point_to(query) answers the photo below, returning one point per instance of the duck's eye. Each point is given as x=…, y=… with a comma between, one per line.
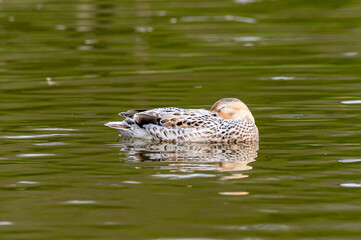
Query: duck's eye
x=222, y=109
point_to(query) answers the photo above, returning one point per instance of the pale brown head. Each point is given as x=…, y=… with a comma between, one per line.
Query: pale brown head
x=232, y=108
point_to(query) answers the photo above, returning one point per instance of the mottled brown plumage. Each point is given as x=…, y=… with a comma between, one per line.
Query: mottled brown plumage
x=229, y=120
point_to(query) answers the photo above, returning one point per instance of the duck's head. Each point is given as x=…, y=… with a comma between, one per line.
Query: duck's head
x=232, y=108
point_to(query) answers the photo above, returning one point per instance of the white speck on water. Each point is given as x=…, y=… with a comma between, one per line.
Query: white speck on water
x=248, y=45
x=27, y=182
x=80, y=202
x=11, y=19
x=6, y=223
x=349, y=160
x=36, y=155
x=350, y=184
x=350, y=54
x=351, y=102
x=197, y=86
x=132, y=182
x=183, y=176
x=50, y=81
x=282, y=78
x=173, y=20
x=60, y=27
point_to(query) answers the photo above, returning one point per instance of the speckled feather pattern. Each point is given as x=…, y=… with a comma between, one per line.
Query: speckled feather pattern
x=188, y=125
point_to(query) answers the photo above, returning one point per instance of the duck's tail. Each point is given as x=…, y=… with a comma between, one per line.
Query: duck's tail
x=118, y=125
x=130, y=129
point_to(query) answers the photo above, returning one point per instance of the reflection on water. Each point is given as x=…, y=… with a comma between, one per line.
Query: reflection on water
x=191, y=157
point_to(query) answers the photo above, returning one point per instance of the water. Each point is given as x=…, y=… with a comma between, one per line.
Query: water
x=67, y=67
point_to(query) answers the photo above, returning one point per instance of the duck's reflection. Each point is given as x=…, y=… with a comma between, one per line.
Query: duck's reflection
x=191, y=157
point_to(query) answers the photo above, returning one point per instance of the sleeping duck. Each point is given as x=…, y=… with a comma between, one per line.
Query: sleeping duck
x=229, y=120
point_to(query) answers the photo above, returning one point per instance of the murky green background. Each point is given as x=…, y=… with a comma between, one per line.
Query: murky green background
x=67, y=67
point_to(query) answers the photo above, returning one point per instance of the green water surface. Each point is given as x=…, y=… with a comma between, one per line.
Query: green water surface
x=68, y=67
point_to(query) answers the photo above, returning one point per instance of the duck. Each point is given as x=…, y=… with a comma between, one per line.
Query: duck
x=229, y=120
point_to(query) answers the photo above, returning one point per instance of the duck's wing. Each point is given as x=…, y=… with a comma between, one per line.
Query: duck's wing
x=130, y=113
x=169, y=124
x=143, y=117
x=173, y=117
x=176, y=124
x=210, y=129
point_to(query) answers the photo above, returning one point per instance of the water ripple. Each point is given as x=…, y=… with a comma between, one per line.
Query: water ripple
x=54, y=129
x=36, y=136
x=282, y=78
x=80, y=202
x=27, y=182
x=36, y=155
x=247, y=39
x=186, y=239
x=351, y=102
x=350, y=54
x=51, y=144
x=349, y=160
x=244, y=2
x=132, y=182
x=262, y=227
x=350, y=184
x=6, y=223
x=228, y=18
x=233, y=193
x=182, y=176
